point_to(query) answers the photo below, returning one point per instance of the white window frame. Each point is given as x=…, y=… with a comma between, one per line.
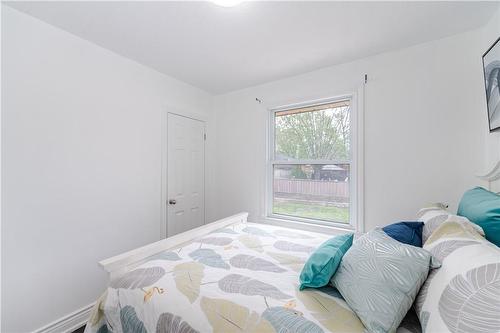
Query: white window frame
x=356, y=217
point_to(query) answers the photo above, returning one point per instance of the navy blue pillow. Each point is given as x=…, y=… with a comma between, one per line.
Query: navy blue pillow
x=406, y=232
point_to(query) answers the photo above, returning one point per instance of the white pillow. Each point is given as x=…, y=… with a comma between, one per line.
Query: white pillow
x=433, y=217
x=464, y=294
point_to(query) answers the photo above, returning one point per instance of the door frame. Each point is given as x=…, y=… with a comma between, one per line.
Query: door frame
x=164, y=165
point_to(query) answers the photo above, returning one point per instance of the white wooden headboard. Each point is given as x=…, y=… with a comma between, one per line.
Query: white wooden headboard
x=492, y=175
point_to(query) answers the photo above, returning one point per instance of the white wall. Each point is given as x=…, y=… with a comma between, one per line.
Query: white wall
x=81, y=153
x=489, y=34
x=424, y=123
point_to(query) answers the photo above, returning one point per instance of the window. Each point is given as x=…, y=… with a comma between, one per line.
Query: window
x=311, y=174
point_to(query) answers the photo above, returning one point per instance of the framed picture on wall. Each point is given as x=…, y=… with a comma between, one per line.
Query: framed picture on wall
x=491, y=66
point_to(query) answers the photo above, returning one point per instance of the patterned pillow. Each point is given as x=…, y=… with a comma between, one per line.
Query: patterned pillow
x=379, y=279
x=464, y=294
x=433, y=217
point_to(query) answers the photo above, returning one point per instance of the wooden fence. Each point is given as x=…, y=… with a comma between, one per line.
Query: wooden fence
x=310, y=187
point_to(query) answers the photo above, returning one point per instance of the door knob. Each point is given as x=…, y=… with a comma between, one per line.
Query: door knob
x=172, y=202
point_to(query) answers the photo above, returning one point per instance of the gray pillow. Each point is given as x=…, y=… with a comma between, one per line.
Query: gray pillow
x=380, y=277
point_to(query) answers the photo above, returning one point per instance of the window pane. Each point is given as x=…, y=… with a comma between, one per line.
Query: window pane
x=319, y=132
x=319, y=191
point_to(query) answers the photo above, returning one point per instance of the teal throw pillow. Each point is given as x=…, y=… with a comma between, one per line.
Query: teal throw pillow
x=323, y=263
x=482, y=207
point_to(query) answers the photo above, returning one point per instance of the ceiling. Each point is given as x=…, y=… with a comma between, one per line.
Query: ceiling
x=223, y=49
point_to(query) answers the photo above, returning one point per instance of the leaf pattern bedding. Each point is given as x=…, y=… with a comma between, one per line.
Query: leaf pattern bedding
x=463, y=296
x=243, y=278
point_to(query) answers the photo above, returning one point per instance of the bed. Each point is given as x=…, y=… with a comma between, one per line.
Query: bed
x=233, y=276
x=236, y=276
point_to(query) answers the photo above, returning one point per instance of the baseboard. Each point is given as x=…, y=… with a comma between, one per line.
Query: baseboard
x=68, y=323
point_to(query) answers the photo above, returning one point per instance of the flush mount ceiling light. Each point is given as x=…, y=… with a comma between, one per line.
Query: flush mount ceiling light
x=227, y=3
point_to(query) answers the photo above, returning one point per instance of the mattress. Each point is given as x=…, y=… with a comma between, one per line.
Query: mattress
x=242, y=278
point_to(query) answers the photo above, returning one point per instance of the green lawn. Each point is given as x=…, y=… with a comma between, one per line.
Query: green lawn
x=329, y=213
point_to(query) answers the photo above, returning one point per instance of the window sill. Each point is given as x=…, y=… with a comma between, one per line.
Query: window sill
x=302, y=225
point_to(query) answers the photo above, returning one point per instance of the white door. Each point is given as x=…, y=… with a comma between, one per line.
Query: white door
x=186, y=174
